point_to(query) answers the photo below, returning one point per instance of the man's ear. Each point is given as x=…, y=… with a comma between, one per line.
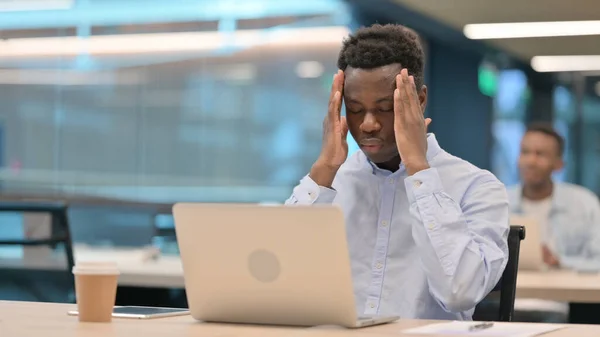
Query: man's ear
x=423, y=97
x=560, y=164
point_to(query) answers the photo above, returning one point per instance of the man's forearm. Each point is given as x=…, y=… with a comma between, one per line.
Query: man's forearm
x=322, y=174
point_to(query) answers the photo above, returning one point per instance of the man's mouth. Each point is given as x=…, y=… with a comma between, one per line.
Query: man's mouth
x=371, y=145
x=530, y=173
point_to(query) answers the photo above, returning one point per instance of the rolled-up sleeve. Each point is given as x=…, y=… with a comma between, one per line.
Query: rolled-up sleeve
x=463, y=243
x=308, y=193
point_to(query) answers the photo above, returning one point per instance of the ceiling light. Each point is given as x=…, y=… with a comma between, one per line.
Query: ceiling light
x=309, y=69
x=566, y=63
x=34, y=5
x=513, y=30
x=168, y=42
x=66, y=77
x=243, y=72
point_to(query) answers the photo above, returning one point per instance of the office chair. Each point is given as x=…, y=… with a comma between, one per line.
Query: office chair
x=507, y=286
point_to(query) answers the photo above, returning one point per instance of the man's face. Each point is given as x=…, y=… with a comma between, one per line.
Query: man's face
x=539, y=158
x=369, y=100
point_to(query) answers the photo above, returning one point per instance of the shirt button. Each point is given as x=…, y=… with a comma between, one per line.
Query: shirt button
x=417, y=183
x=391, y=181
x=384, y=223
x=430, y=226
x=311, y=196
x=379, y=265
x=372, y=305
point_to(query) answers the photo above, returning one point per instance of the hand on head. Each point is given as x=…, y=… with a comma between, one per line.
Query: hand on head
x=335, y=129
x=334, y=150
x=410, y=126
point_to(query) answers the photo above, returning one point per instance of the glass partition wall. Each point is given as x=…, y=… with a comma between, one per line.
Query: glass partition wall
x=227, y=107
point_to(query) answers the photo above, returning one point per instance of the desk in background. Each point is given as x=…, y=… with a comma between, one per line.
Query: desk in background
x=581, y=290
x=139, y=269
x=53, y=222
x=559, y=285
x=91, y=219
x=146, y=277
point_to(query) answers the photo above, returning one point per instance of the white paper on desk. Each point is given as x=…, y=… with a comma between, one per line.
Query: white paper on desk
x=500, y=329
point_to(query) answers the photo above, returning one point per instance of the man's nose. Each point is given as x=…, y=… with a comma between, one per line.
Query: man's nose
x=529, y=158
x=529, y=162
x=370, y=123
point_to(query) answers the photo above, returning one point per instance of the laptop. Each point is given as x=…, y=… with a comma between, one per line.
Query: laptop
x=530, y=252
x=280, y=265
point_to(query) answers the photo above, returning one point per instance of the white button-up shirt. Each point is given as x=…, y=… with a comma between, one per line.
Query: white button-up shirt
x=574, y=221
x=429, y=246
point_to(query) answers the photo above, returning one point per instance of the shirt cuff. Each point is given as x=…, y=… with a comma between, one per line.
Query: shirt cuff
x=308, y=192
x=422, y=184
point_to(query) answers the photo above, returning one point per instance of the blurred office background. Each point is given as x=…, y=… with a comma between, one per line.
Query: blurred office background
x=223, y=100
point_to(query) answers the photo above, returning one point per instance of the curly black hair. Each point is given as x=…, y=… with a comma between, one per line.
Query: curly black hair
x=547, y=129
x=377, y=46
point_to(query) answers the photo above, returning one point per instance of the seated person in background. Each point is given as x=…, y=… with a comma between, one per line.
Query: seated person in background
x=427, y=231
x=568, y=215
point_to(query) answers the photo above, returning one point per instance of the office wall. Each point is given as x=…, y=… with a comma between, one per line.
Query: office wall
x=590, y=143
x=461, y=115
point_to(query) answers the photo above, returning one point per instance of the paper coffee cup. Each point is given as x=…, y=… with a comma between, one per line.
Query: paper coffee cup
x=95, y=289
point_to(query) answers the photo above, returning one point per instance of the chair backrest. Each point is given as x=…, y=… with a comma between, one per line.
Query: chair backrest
x=507, y=286
x=508, y=282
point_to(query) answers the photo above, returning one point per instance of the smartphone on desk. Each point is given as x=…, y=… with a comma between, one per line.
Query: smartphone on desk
x=142, y=312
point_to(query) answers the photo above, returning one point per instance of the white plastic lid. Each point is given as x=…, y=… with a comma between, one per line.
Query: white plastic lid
x=96, y=268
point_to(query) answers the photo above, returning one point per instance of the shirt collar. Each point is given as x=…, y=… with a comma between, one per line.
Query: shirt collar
x=433, y=148
x=556, y=204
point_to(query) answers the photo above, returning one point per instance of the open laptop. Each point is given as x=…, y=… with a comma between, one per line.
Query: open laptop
x=281, y=265
x=530, y=252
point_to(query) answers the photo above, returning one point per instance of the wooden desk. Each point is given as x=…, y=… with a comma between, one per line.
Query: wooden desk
x=27, y=319
x=559, y=285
